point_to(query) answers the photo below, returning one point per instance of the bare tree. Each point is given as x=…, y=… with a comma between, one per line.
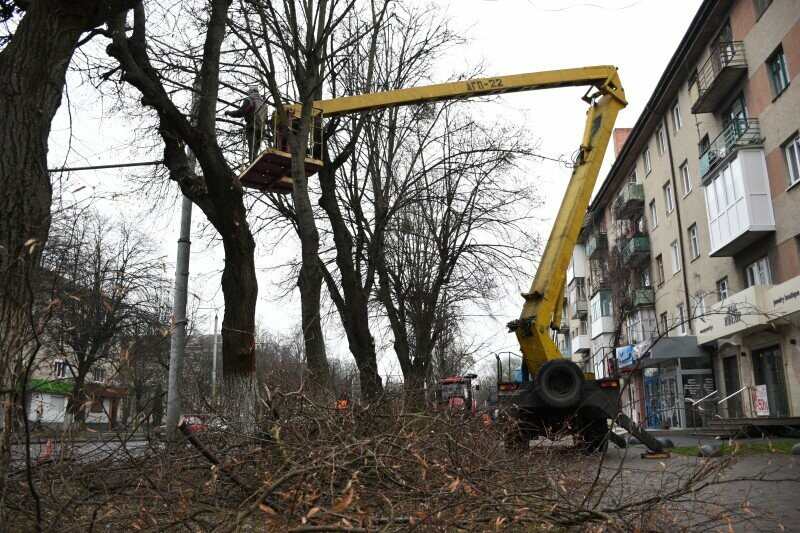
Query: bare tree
x=463, y=231
x=306, y=45
x=103, y=278
x=162, y=72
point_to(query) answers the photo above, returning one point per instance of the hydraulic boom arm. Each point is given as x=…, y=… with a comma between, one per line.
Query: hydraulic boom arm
x=542, y=309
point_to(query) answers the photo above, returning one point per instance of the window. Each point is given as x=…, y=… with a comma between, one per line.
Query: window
x=648, y=166
x=694, y=245
x=676, y=257
x=757, y=272
x=778, y=74
x=660, y=269
x=669, y=202
x=760, y=6
x=632, y=178
x=660, y=144
x=792, y=152
x=99, y=374
x=700, y=304
x=723, y=289
x=644, y=277
x=677, y=121
x=653, y=213
x=601, y=305
x=664, y=324
x=60, y=369
x=685, y=179
x=680, y=318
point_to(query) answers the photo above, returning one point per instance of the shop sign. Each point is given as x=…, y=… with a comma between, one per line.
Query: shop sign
x=625, y=356
x=784, y=298
x=761, y=401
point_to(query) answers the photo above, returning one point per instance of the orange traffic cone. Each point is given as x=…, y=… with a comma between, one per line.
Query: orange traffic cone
x=47, y=453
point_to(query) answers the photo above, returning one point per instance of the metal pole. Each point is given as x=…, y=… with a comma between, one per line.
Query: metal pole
x=178, y=340
x=214, y=361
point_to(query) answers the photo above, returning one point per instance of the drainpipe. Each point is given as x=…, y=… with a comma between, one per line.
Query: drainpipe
x=689, y=311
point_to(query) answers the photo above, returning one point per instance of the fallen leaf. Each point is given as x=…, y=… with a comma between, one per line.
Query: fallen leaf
x=344, y=503
x=266, y=508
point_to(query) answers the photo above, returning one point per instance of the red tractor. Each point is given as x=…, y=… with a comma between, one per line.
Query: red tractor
x=455, y=393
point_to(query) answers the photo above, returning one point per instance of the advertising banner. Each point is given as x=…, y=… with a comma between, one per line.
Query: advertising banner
x=762, y=403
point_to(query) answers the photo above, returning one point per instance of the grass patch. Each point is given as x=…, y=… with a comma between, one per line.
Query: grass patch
x=743, y=449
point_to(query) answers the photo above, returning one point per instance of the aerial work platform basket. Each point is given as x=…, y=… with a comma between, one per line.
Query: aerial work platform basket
x=271, y=171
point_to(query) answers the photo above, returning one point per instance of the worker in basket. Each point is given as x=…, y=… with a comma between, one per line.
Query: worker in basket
x=254, y=111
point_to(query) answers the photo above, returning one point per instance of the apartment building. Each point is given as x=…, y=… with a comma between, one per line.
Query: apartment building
x=692, y=243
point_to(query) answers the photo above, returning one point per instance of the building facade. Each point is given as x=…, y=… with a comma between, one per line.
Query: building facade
x=692, y=243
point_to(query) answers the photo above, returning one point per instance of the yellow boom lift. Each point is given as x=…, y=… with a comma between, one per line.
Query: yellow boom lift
x=559, y=395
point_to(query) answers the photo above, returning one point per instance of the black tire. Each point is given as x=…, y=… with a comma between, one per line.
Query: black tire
x=594, y=437
x=560, y=383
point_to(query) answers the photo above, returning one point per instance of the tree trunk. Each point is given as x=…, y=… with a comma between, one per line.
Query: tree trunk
x=309, y=281
x=353, y=302
x=76, y=405
x=33, y=68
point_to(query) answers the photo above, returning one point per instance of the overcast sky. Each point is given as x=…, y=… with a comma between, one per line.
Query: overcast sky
x=509, y=37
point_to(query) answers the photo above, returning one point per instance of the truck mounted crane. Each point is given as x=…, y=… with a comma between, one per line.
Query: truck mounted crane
x=554, y=395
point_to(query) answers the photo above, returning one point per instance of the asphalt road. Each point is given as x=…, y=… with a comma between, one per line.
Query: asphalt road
x=755, y=493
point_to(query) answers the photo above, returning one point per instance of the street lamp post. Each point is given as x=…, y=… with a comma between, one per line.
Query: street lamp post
x=213, y=353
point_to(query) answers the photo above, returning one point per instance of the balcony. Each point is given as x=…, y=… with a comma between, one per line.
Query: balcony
x=716, y=78
x=643, y=297
x=630, y=202
x=739, y=133
x=580, y=343
x=603, y=324
x=738, y=202
x=578, y=309
x=596, y=245
x=636, y=250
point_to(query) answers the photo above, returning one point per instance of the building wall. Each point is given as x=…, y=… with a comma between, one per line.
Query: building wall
x=779, y=120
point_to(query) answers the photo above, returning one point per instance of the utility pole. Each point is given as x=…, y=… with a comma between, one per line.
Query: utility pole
x=178, y=340
x=214, y=362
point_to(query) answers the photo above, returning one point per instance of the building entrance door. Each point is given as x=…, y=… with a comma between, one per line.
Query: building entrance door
x=669, y=400
x=768, y=370
x=730, y=370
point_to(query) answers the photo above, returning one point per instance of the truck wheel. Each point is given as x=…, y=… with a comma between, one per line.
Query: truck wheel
x=560, y=383
x=595, y=437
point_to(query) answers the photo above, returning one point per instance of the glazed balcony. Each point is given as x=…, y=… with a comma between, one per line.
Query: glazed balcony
x=596, y=245
x=716, y=78
x=636, y=250
x=737, y=134
x=630, y=202
x=578, y=309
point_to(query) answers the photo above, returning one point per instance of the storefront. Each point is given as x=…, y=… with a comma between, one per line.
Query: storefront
x=755, y=335
x=676, y=376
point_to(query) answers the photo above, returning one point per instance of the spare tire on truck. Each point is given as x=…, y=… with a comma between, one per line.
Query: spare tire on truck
x=559, y=383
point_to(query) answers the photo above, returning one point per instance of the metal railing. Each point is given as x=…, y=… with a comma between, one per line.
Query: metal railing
x=636, y=247
x=596, y=243
x=750, y=396
x=739, y=132
x=724, y=55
